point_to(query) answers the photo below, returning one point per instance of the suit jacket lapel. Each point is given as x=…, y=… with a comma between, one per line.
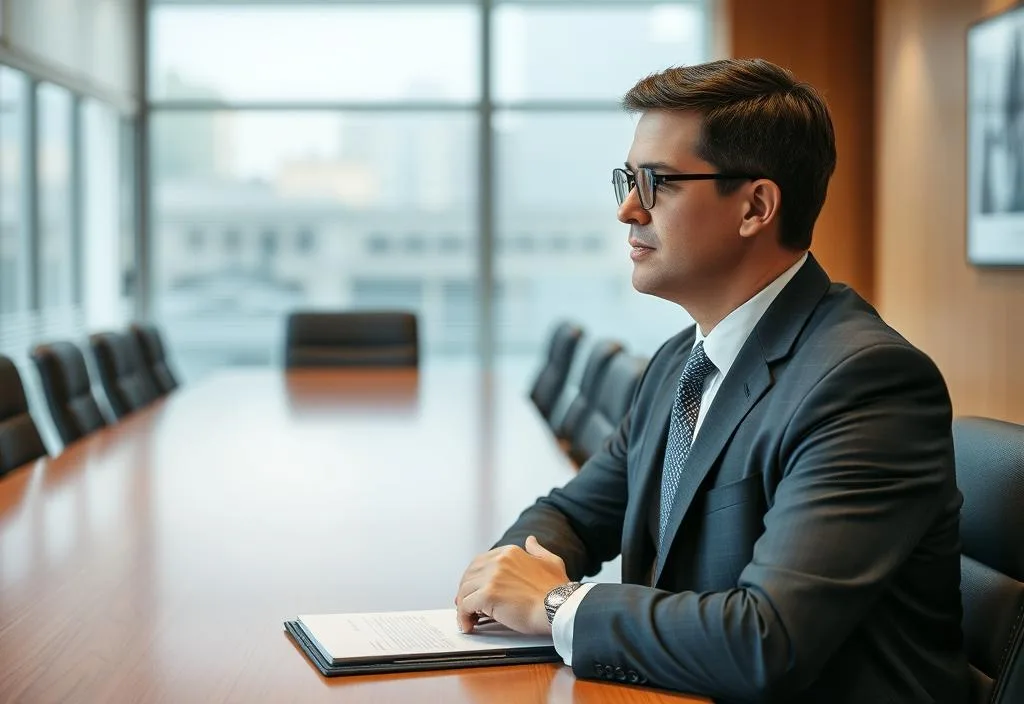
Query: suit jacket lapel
x=635, y=559
x=743, y=386
x=748, y=379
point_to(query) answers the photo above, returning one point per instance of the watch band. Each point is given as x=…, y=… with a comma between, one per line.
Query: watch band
x=557, y=596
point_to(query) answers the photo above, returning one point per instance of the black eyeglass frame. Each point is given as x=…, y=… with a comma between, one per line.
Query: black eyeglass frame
x=657, y=179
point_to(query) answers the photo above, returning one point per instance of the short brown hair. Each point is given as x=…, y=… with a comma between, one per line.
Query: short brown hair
x=756, y=119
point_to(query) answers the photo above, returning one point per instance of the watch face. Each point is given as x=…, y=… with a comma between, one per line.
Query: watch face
x=556, y=597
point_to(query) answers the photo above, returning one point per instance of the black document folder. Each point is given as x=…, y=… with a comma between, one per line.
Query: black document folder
x=410, y=660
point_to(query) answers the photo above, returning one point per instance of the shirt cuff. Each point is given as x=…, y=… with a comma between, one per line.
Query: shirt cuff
x=565, y=619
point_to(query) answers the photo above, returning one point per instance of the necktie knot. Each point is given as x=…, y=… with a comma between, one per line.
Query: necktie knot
x=698, y=366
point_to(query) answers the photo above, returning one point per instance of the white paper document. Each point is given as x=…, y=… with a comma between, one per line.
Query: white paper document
x=408, y=635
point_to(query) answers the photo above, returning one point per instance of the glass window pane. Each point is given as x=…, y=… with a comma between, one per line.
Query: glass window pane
x=100, y=191
x=314, y=52
x=56, y=253
x=560, y=251
x=128, y=215
x=94, y=39
x=611, y=48
x=14, y=254
x=257, y=214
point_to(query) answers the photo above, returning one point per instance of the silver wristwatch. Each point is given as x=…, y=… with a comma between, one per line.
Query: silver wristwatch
x=557, y=596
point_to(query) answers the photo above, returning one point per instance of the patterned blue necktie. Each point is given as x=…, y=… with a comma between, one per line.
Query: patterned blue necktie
x=680, y=430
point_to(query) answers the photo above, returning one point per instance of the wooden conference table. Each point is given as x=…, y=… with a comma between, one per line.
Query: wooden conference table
x=157, y=559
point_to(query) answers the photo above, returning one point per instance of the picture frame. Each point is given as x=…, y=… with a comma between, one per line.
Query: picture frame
x=995, y=139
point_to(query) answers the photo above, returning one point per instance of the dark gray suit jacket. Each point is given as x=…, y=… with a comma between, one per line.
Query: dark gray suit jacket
x=815, y=538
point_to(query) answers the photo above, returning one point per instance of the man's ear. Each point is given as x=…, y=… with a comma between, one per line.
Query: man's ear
x=761, y=207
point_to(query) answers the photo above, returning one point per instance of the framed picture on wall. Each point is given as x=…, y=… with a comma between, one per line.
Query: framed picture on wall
x=995, y=139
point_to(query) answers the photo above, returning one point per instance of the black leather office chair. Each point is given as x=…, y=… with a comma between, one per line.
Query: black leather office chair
x=990, y=474
x=68, y=390
x=597, y=363
x=125, y=380
x=352, y=339
x=610, y=407
x=550, y=381
x=19, y=438
x=154, y=357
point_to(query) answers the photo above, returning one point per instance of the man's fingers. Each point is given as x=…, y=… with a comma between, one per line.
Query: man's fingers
x=482, y=563
x=473, y=576
x=465, y=620
x=470, y=609
x=533, y=547
x=467, y=587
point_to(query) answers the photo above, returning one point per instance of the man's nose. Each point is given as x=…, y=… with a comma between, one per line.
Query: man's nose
x=631, y=212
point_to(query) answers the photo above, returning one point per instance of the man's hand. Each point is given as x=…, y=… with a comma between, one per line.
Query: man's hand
x=509, y=585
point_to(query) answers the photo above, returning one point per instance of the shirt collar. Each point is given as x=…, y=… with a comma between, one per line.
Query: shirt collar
x=722, y=345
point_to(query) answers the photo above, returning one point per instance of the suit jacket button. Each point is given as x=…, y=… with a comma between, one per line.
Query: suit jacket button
x=620, y=675
x=609, y=671
x=598, y=669
x=633, y=676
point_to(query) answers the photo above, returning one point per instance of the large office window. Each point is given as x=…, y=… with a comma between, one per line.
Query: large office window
x=54, y=126
x=612, y=45
x=101, y=198
x=560, y=252
x=67, y=205
x=60, y=190
x=328, y=155
x=313, y=52
x=14, y=244
x=128, y=216
x=257, y=213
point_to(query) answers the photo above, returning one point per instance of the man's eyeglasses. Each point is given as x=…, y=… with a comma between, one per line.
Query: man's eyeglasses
x=646, y=183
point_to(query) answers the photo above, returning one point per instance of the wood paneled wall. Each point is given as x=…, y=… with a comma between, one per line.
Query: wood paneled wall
x=830, y=45
x=894, y=226
x=970, y=320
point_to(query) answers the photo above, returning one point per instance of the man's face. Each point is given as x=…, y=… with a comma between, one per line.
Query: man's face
x=690, y=238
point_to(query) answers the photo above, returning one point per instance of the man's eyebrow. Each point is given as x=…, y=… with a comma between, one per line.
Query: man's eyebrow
x=655, y=165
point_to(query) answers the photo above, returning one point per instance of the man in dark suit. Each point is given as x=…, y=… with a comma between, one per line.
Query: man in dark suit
x=782, y=490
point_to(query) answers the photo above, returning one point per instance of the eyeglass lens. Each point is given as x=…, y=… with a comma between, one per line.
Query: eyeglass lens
x=624, y=181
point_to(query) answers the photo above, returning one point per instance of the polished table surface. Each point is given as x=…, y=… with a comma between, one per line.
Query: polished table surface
x=157, y=560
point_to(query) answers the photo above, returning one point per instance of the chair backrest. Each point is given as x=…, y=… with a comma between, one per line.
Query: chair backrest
x=68, y=390
x=125, y=380
x=154, y=357
x=550, y=381
x=597, y=363
x=352, y=339
x=611, y=403
x=19, y=438
x=990, y=474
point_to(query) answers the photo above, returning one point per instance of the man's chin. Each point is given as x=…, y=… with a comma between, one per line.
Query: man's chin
x=643, y=284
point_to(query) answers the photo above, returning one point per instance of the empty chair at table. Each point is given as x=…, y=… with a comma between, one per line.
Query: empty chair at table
x=351, y=339
x=19, y=438
x=154, y=357
x=593, y=373
x=614, y=396
x=123, y=375
x=68, y=390
x=990, y=475
x=550, y=380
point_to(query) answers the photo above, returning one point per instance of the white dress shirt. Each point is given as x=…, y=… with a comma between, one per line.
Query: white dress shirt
x=722, y=346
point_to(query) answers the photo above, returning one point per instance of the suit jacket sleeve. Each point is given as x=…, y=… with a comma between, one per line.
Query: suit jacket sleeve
x=866, y=464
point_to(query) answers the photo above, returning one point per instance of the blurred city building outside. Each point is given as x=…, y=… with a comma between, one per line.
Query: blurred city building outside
x=275, y=203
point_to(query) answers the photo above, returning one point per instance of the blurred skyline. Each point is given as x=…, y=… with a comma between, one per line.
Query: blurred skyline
x=260, y=211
